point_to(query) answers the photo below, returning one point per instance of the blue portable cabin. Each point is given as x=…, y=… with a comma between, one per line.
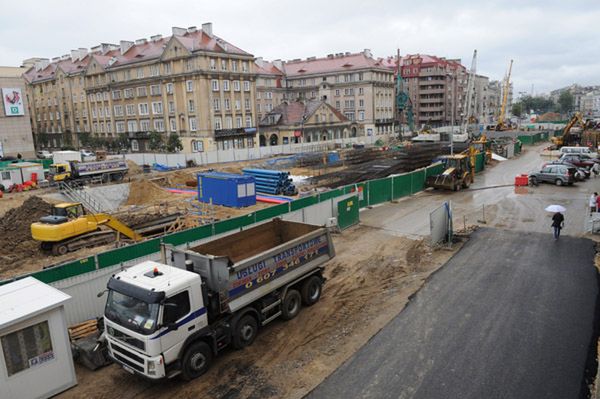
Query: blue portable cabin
x=226, y=189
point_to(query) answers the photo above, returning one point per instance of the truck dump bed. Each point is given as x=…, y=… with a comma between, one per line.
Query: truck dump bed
x=245, y=266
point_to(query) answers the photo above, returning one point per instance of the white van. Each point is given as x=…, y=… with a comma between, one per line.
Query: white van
x=578, y=150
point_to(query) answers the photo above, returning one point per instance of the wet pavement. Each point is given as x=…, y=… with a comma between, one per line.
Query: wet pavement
x=508, y=207
x=509, y=316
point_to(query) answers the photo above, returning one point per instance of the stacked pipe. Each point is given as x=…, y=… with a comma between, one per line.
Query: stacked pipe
x=272, y=182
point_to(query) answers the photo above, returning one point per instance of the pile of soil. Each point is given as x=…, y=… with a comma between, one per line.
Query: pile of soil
x=144, y=192
x=15, y=232
x=549, y=117
x=134, y=168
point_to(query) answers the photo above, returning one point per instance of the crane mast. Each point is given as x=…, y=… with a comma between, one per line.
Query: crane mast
x=469, y=96
x=501, y=124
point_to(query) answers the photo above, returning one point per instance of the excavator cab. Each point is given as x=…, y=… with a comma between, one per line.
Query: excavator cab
x=68, y=210
x=457, y=173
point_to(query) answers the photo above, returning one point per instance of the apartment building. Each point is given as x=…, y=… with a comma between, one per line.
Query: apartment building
x=15, y=127
x=436, y=87
x=192, y=83
x=355, y=84
x=270, y=86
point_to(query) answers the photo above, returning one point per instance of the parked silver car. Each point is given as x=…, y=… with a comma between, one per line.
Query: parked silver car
x=558, y=174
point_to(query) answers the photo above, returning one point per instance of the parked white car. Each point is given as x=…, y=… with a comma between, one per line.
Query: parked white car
x=43, y=154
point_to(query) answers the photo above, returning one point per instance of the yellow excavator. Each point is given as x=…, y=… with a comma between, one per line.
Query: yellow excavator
x=567, y=138
x=459, y=172
x=69, y=228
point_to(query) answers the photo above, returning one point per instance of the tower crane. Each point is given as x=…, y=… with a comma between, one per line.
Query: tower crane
x=501, y=125
x=469, y=97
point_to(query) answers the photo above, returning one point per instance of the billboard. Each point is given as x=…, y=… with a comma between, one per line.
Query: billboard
x=13, y=101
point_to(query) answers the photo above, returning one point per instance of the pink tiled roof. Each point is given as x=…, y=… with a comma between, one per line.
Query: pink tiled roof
x=331, y=64
x=293, y=112
x=268, y=68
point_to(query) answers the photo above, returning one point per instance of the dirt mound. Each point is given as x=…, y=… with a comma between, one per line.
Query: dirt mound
x=15, y=232
x=134, y=168
x=548, y=117
x=180, y=178
x=144, y=192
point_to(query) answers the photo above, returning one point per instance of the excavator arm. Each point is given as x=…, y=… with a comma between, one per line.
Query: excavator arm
x=115, y=224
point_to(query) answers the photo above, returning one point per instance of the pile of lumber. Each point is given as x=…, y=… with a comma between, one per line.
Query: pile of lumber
x=83, y=330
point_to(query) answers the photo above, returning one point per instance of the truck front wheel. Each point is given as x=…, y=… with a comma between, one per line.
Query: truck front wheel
x=311, y=290
x=196, y=361
x=245, y=332
x=291, y=305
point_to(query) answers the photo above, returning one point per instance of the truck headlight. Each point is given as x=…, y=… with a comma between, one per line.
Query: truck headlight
x=151, y=368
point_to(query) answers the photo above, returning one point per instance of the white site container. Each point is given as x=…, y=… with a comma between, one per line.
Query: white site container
x=65, y=156
x=35, y=353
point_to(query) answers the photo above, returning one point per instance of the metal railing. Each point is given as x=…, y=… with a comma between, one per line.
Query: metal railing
x=76, y=192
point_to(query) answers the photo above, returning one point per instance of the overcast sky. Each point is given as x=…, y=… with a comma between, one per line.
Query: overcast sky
x=553, y=43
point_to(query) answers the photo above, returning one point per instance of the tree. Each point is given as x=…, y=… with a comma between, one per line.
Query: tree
x=155, y=141
x=174, y=143
x=517, y=109
x=565, y=102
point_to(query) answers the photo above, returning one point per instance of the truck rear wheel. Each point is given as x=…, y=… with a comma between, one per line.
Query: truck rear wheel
x=196, y=361
x=291, y=305
x=311, y=291
x=59, y=249
x=245, y=331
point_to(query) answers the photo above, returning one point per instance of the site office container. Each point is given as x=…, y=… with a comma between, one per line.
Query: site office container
x=226, y=189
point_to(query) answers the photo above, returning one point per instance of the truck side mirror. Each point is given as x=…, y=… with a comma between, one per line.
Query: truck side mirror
x=101, y=293
x=172, y=326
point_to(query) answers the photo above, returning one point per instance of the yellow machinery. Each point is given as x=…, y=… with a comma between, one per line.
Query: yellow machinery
x=502, y=125
x=69, y=228
x=567, y=138
x=459, y=173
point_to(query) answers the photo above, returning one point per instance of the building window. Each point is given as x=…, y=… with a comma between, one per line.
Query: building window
x=94, y=114
x=173, y=124
x=105, y=94
x=223, y=65
x=143, y=108
x=140, y=73
x=128, y=93
x=134, y=145
x=247, y=104
x=197, y=146
x=193, y=124
x=349, y=115
x=27, y=347
x=167, y=67
x=238, y=122
x=234, y=65
x=269, y=95
x=157, y=108
x=248, y=121
x=213, y=64
x=189, y=86
x=118, y=110
x=130, y=109
x=141, y=91
x=215, y=85
x=245, y=66
x=132, y=126
x=107, y=112
x=217, y=104
x=145, y=125
x=218, y=125
x=227, y=104
x=108, y=127
x=361, y=115
x=238, y=105
x=361, y=103
x=225, y=85
x=155, y=90
x=246, y=85
x=154, y=70
x=361, y=91
x=159, y=125
x=189, y=65
x=236, y=85
x=171, y=107
x=228, y=122
x=191, y=106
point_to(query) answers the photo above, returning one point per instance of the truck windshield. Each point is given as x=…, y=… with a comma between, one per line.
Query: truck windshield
x=131, y=313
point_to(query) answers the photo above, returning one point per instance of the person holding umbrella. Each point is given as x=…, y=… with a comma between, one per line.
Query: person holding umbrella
x=558, y=220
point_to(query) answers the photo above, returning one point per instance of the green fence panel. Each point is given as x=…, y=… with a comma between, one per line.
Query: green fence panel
x=330, y=194
x=233, y=224
x=303, y=202
x=418, y=181
x=194, y=234
x=434, y=170
x=527, y=140
x=128, y=253
x=62, y=272
x=271, y=212
x=401, y=185
x=479, y=162
x=380, y=190
x=363, y=193
x=348, y=214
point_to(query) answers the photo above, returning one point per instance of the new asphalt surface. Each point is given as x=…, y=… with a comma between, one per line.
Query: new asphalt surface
x=511, y=315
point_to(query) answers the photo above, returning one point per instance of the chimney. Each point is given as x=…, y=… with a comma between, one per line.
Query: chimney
x=278, y=64
x=125, y=45
x=74, y=55
x=65, y=57
x=367, y=53
x=55, y=59
x=30, y=62
x=83, y=52
x=106, y=47
x=347, y=53
x=141, y=41
x=42, y=64
x=192, y=29
x=311, y=58
x=178, y=31
x=329, y=55
x=207, y=28
x=155, y=38
x=259, y=61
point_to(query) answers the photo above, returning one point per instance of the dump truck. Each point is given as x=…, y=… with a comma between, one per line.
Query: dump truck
x=172, y=318
x=109, y=170
x=458, y=173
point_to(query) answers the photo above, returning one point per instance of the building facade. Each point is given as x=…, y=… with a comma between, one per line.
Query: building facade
x=304, y=121
x=192, y=83
x=270, y=86
x=357, y=85
x=15, y=126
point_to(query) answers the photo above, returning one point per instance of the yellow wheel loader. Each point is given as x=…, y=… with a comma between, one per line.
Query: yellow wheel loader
x=458, y=173
x=69, y=228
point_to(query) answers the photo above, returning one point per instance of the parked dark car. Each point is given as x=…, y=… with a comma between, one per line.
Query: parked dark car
x=579, y=160
x=582, y=173
x=558, y=174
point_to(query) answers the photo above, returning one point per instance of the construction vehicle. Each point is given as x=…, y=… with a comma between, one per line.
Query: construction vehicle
x=110, y=170
x=502, y=125
x=403, y=103
x=166, y=320
x=568, y=138
x=69, y=228
x=459, y=173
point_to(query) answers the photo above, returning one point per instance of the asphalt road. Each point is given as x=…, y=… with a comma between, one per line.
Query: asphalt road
x=510, y=316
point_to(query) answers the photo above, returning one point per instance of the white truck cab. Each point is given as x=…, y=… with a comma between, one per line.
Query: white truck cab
x=150, y=312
